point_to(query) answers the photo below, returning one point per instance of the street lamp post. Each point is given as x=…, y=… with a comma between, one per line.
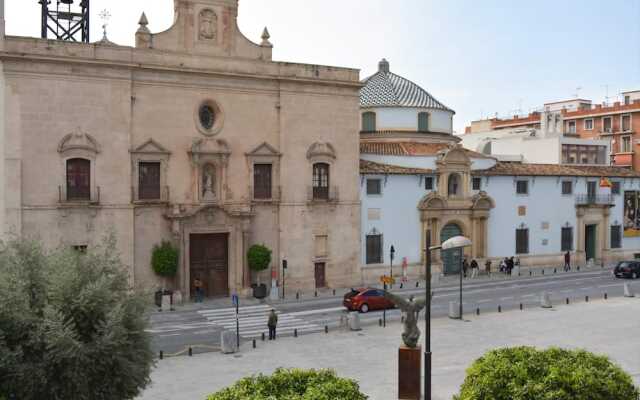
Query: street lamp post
x=284, y=269
x=453, y=243
x=392, y=253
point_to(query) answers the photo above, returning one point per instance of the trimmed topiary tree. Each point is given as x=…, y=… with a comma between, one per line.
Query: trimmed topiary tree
x=259, y=258
x=293, y=384
x=525, y=373
x=164, y=259
x=71, y=326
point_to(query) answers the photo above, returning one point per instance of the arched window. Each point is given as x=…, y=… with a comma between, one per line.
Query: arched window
x=321, y=181
x=368, y=121
x=423, y=122
x=453, y=184
x=78, y=179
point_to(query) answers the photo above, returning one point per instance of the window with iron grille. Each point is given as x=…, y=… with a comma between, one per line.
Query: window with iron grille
x=423, y=122
x=369, y=122
x=476, y=183
x=616, y=236
x=522, y=187
x=262, y=181
x=374, y=249
x=567, y=187
x=615, y=187
x=321, y=181
x=374, y=186
x=522, y=241
x=567, y=239
x=428, y=183
x=78, y=179
x=149, y=181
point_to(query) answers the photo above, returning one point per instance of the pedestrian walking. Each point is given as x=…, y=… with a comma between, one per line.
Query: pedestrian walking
x=272, y=323
x=487, y=266
x=474, y=268
x=503, y=266
x=465, y=266
x=197, y=284
x=510, y=265
x=567, y=261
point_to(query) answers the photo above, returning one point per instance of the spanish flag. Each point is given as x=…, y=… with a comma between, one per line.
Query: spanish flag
x=605, y=182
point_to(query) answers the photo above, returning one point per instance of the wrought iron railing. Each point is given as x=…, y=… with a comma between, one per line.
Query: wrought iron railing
x=594, y=199
x=79, y=195
x=160, y=194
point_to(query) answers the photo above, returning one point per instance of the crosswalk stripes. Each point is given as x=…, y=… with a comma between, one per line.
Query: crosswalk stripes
x=253, y=321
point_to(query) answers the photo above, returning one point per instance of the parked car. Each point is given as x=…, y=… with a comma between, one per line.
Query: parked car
x=366, y=299
x=627, y=269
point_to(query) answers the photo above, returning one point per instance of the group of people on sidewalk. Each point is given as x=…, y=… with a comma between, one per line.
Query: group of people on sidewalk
x=506, y=265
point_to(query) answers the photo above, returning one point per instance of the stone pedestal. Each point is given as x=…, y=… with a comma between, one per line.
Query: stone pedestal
x=354, y=321
x=409, y=367
x=228, y=342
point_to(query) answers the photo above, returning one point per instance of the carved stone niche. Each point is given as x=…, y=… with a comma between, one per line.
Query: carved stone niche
x=207, y=25
x=210, y=161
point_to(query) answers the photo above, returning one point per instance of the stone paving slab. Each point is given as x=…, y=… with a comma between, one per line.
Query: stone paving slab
x=609, y=327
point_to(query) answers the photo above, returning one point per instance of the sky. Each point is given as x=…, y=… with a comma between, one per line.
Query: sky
x=478, y=57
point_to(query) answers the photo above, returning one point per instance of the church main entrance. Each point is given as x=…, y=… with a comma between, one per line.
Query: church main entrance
x=451, y=259
x=209, y=259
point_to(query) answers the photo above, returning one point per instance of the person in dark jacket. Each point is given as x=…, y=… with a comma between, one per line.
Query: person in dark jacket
x=465, y=266
x=474, y=268
x=272, y=323
x=510, y=265
x=487, y=266
x=567, y=261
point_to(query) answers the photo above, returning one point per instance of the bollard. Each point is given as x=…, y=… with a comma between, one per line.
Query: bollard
x=161, y=354
x=417, y=284
x=545, y=300
x=400, y=285
x=605, y=296
x=295, y=332
x=627, y=291
x=567, y=300
x=499, y=308
x=478, y=311
x=297, y=296
x=190, y=352
x=520, y=306
x=334, y=292
x=263, y=336
x=586, y=299
x=379, y=321
x=578, y=268
x=326, y=329
x=315, y=294
x=554, y=271
x=530, y=273
x=254, y=343
x=518, y=273
x=543, y=271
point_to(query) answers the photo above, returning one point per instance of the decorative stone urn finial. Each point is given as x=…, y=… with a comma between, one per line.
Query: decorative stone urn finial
x=143, y=24
x=265, y=38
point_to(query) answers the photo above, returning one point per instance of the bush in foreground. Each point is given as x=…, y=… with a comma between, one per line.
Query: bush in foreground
x=70, y=326
x=525, y=373
x=292, y=384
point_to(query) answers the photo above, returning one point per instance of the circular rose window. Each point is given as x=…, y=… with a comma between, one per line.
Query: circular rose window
x=209, y=117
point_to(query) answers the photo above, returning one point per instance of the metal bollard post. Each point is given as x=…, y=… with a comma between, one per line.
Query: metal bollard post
x=417, y=284
x=263, y=336
x=254, y=343
x=578, y=268
x=499, y=308
x=400, y=285
x=567, y=300
x=530, y=273
x=521, y=306
x=297, y=295
x=554, y=271
x=295, y=332
x=326, y=329
x=605, y=296
x=161, y=354
x=478, y=311
x=315, y=294
x=586, y=299
x=542, y=271
x=379, y=321
x=334, y=292
x=190, y=352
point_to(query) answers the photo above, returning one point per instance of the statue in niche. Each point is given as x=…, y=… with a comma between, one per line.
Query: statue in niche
x=208, y=182
x=208, y=25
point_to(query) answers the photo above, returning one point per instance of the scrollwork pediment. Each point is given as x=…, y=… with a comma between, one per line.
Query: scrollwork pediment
x=432, y=201
x=78, y=140
x=321, y=149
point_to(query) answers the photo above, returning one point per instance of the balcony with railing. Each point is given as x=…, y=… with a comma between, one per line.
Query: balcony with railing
x=266, y=194
x=150, y=194
x=321, y=194
x=78, y=195
x=594, y=200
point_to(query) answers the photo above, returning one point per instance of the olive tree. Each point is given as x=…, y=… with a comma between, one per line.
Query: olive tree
x=70, y=325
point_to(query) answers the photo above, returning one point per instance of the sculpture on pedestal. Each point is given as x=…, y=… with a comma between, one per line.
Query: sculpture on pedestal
x=412, y=309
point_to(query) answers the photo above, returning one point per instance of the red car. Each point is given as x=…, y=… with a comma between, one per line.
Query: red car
x=366, y=299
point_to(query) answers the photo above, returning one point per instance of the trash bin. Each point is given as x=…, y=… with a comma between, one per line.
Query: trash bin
x=158, y=298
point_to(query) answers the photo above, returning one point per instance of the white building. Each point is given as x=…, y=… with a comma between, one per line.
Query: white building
x=414, y=180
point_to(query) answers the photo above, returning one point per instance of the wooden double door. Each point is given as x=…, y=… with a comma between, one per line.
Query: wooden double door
x=209, y=258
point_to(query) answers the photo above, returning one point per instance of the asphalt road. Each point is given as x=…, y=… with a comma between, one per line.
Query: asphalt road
x=174, y=332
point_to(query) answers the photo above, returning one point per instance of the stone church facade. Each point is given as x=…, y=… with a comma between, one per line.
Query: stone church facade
x=194, y=136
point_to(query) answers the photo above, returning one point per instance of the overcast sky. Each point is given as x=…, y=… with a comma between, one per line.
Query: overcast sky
x=478, y=57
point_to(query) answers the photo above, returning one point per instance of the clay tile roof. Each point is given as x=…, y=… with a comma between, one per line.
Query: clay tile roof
x=520, y=169
x=409, y=149
x=386, y=89
x=370, y=167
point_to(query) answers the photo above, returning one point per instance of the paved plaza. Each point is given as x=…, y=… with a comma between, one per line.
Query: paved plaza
x=370, y=356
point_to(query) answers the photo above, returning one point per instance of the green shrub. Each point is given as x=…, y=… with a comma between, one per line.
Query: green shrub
x=71, y=327
x=525, y=373
x=259, y=257
x=164, y=259
x=292, y=384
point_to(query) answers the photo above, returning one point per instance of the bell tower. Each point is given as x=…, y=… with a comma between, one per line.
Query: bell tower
x=65, y=20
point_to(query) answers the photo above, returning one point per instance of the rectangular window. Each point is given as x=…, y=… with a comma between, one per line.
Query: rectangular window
x=78, y=179
x=522, y=187
x=616, y=236
x=607, y=124
x=477, y=183
x=149, y=181
x=369, y=122
x=588, y=124
x=567, y=187
x=626, y=123
x=615, y=187
x=428, y=183
x=522, y=241
x=571, y=127
x=567, y=239
x=423, y=122
x=625, y=144
x=321, y=181
x=627, y=100
x=262, y=181
x=374, y=249
x=374, y=186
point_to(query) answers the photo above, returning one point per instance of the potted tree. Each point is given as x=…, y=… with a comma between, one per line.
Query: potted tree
x=259, y=258
x=164, y=261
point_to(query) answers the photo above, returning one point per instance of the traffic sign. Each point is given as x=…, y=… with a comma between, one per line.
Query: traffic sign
x=389, y=280
x=235, y=300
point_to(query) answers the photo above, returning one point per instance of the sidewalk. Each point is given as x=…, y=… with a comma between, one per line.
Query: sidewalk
x=606, y=327
x=436, y=282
